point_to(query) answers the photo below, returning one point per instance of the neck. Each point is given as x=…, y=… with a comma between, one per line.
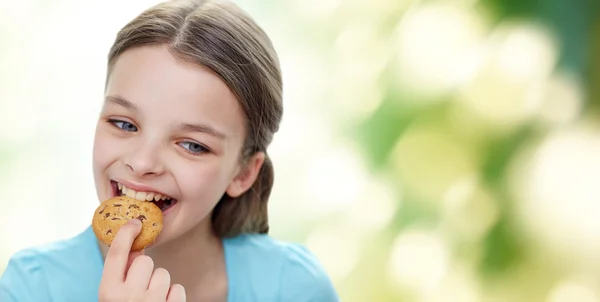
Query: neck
x=192, y=257
x=195, y=260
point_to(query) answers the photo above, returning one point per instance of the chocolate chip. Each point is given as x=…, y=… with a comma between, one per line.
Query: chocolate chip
x=115, y=218
x=135, y=206
x=154, y=224
x=107, y=214
x=141, y=217
x=101, y=211
x=118, y=205
x=108, y=232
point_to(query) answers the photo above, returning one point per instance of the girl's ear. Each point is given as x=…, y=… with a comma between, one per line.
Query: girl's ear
x=247, y=175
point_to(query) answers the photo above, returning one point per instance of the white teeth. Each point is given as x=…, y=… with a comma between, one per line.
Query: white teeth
x=147, y=196
x=140, y=195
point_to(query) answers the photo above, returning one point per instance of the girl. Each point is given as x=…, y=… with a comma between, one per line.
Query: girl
x=193, y=97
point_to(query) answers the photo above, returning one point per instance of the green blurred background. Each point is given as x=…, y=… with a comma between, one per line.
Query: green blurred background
x=430, y=150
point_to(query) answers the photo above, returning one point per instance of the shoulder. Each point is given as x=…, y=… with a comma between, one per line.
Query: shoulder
x=47, y=268
x=79, y=247
x=22, y=271
x=292, y=270
x=303, y=277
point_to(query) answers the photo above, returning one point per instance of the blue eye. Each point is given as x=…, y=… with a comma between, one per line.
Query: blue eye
x=194, y=148
x=125, y=126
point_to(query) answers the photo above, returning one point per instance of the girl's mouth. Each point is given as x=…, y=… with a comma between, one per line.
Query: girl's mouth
x=162, y=201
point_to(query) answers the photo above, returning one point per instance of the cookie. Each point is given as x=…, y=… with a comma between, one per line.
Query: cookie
x=111, y=214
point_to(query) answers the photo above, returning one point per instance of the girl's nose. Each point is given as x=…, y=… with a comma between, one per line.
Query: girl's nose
x=143, y=162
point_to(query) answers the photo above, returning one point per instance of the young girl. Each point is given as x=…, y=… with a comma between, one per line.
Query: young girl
x=193, y=97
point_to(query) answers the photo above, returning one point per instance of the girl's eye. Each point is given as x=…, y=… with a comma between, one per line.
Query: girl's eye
x=123, y=125
x=194, y=148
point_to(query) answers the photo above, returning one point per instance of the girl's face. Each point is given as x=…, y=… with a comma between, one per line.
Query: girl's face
x=172, y=132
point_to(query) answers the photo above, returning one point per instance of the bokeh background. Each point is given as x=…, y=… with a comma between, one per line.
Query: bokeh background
x=430, y=150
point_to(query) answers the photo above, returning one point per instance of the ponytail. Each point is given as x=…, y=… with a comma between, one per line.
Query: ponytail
x=248, y=213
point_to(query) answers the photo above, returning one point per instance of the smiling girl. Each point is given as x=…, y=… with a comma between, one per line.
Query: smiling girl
x=193, y=98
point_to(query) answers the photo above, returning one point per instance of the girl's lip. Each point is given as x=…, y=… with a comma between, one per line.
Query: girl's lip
x=170, y=208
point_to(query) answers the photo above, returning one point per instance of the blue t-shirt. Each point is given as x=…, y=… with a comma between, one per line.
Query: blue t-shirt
x=259, y=268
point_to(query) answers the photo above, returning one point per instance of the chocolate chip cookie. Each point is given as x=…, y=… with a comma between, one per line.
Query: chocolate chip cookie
x=111, y=214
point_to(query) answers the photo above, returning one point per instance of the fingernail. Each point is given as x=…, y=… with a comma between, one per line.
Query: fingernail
x=135, y=222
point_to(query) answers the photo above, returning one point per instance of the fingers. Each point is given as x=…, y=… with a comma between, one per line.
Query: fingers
x=117, y=257
x=176, y=293
x=132, y=257
x=132, y=275
x=139, y=274
x=159, y=285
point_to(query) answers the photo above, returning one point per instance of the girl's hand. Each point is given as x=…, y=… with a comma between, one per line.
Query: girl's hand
x=131, y=276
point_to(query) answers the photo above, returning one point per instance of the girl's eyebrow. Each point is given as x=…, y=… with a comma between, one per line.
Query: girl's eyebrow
x=203, y=128
x=115, y=99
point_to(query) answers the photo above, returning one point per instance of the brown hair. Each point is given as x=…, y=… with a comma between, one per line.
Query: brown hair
x=222, y=37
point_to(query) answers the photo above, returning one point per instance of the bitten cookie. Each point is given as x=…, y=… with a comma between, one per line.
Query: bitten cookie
x=111, y=214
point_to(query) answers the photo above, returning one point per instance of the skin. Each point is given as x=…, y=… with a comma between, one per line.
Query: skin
x=176, y=128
